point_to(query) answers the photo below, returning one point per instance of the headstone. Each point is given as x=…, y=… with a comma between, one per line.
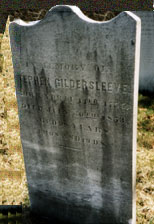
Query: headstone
x=77, y=83
x=146, y=77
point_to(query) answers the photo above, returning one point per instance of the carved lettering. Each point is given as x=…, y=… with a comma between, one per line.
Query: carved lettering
x=109, y=87
x=116, y=119
x=33, y=80
x=69, y=67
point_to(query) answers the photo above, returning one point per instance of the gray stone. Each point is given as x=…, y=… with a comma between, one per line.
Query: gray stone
x=146, y=77
x=76, y=83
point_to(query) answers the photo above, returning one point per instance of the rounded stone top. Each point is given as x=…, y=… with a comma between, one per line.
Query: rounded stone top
x=76, y=11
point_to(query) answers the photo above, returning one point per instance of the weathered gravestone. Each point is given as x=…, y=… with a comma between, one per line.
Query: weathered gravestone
x=77, y=83
x=146, y=79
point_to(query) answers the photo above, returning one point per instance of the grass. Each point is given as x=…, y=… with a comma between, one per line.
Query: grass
x=145, y=160
x=13, y=187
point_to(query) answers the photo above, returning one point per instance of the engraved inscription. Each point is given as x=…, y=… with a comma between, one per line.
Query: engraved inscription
x=69, y=67
x=110, y=87
x=80, y=67
x=92, y=105
x=92, y=85
x=72, y=139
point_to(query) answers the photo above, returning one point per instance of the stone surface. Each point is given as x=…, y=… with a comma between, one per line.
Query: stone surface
x=76, y=84
x=146, y=80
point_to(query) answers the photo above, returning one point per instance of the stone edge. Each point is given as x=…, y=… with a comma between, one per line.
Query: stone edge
x=135, y=109
x=68, y=8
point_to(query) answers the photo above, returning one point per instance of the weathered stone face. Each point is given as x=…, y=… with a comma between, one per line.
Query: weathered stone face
x=76, y=84
x=146, y=80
